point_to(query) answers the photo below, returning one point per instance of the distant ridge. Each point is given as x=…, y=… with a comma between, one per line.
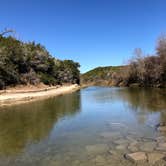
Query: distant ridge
x=100, y=75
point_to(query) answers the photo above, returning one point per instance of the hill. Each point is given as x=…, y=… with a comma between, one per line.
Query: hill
x=100, y=76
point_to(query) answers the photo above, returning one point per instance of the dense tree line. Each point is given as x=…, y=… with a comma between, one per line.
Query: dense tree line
x=30, y=63
x=145, y=70
x=142, y=70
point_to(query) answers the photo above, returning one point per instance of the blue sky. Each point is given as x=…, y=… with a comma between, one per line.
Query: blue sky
x=92, y=32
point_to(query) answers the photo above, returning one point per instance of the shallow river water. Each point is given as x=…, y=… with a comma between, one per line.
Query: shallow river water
x=91, y=127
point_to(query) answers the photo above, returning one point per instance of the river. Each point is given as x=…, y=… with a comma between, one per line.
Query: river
x=93, y=126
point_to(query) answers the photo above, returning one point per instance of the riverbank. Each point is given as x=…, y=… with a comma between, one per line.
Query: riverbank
x=15, y=96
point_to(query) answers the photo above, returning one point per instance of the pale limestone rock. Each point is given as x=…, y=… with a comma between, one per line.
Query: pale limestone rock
x=162, y=144
x=162, y=128
x=161, y=124
x=148, y=146
x=161, y=139
x=161, y=147
x=154, y=157
x=136, y=157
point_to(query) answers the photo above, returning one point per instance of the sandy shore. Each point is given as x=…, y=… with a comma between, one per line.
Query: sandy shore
x=17, y=97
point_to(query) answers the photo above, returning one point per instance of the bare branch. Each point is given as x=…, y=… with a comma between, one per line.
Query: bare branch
x=5, y=31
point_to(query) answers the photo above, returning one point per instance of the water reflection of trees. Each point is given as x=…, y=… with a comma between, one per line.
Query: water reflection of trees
x=142, y=101
x=33, y=122
x=149, y=99
x=145, y=101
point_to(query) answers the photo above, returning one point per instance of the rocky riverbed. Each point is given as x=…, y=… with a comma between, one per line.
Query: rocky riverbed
x=119, y=149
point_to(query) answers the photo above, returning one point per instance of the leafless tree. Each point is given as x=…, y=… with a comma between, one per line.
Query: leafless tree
x=6, y=31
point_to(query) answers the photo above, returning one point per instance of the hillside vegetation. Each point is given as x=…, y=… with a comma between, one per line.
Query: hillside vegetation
x=142, y=70
x=30, y=63
x=100, y=75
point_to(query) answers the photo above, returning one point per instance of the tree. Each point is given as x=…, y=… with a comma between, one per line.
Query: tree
x=161, y=52
x=31, y=63
x=6, y=31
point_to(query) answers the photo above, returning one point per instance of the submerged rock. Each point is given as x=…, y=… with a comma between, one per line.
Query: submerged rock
x=112, y=152
x=76, y=162
x=121, y=147
x=130, y=138
x=134, y=143
x=137, y=156
x=97, y=149
x=110, y=135
x=161, y=124
x=121, y=141
x=161, y=139
x=132, y=148
x=148, y=146
x=161, y=147
x=154, y=157
x=162, y=128
x=99, y=160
